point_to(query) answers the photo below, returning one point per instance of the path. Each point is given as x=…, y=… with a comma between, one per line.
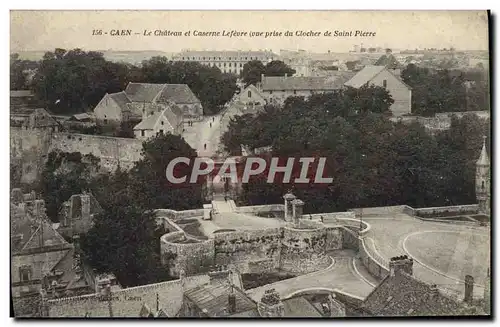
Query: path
x=341, y=276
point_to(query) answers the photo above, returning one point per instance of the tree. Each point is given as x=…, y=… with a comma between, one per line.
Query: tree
x=148, y=177
x=278, y=68
x=19, y=70
x=252, y=72
x=125, y=241
x=64, y=175
x=75, y=81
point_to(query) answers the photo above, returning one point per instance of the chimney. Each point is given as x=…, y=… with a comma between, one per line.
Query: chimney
x=298, y=206
x=38, y=209
x=271, y=305
x=289, y=197
x=76, y=243
x=401, y=263
x=85, y=200
x=469, y=289
x=231, y=302
x=434, y=292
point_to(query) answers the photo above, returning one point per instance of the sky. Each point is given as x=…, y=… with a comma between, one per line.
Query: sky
x=46, y=30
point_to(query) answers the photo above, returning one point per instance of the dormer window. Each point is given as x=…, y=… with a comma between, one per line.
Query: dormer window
x=25, y=273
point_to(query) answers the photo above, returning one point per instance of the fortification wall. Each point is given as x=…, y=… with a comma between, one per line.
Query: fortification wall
x=304, y=250
x=175, y=215
x=389, y=210
x=113, y=151
x=261, y=208
x=178, y=252
x=451, y=210
x=28, y=148
x=251, y=247
x=127, y=302
x=349, y=239
x=376, y=266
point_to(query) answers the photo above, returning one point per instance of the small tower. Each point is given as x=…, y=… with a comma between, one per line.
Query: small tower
x=483, y=191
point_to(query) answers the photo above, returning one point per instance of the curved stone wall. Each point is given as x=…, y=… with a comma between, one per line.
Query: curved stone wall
x=304, y=250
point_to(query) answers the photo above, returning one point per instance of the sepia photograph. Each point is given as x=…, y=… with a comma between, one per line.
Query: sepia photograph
x=250, y=164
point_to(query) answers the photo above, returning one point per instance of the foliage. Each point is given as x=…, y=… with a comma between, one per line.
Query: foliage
x=19, y=76
x=65, y=174
x=125, y=240
x=373, y=161
x=435, y=91
x=253, y=70
x=74, y=81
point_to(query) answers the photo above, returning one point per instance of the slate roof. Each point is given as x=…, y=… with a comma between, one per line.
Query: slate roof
x=21, y=93
x=299, y=83
x=214, y=298
x=177, y=93
x=300, y=307
x=40, y=118
x=404, y=295
x=148, y=124
x=364, y=76
x=143, y=92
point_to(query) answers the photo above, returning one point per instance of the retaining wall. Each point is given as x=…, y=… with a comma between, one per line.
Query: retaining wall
x=374, y=266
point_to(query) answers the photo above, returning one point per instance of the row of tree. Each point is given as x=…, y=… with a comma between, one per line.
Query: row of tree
x=435, y=91
x=373, y=161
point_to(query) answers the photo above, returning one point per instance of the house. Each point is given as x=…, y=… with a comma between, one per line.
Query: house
x=77, y=214
x=41, y=257
x=401, y=294
x=277, y=88
x=251, y=96
x=166, y=121
x=383, y=77
x=141, y=99
x=41, y=119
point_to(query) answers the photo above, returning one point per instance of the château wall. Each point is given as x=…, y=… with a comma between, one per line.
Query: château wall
x=129, y=301
x=30, y=148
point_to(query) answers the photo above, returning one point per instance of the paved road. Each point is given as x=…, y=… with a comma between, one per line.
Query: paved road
x=342, y=276
x=454, y=249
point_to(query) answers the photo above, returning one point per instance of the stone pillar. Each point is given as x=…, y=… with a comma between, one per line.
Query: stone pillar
x=469, y=289
x=297, y=210
x=487, y=294
x=289, y=197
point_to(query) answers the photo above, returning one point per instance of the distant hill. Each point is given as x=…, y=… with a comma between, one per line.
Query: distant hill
x=132, y=57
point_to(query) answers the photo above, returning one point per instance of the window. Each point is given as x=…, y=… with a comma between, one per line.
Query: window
x=229, y=58
x=482, y=185
x=105, y=121
x=229, y=64
x=182, y=58
x=270, y=92
x=203, y=58
x=241, y=65
x=246, y=58
x=385, y=83
x=25, y=273
x=161, y=131
x=224, y=64
x=249, y=94
x=294, y=92
x=162, y=123
x=142, y=133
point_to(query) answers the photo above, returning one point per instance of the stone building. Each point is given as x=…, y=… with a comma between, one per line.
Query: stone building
x=278, y=88
x=401, y=294
x=140, y=99
x=383, y=77
x=163, y=122
x=41, y=258
x=77, y=214
x=226, y=61
x=483, y=178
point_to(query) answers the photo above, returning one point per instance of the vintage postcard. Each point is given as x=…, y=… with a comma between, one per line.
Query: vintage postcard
x=256, y=164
